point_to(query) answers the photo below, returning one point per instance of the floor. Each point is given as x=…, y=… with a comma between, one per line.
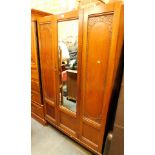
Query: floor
x=69, y=104
x=46, y=140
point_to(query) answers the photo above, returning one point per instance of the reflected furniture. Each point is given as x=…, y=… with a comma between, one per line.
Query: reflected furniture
x=71, y=84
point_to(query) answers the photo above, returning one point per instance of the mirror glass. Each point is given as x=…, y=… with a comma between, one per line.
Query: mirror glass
x=67, y=51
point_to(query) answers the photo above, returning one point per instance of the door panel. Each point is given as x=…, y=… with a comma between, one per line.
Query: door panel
x=97, y=52
x=90, y=135
x=69, y=123
x=69, y=36
x=47, y=58
x=100, y=34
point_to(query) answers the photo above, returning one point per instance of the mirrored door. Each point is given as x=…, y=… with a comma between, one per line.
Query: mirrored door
x=68, y=63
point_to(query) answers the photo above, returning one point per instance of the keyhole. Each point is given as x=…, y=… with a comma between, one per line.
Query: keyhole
x=98, y=61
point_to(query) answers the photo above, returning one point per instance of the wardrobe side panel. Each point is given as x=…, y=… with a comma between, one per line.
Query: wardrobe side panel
x=37, y=107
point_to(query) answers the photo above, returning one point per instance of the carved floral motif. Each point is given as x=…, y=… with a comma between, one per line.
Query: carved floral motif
x=107, y=19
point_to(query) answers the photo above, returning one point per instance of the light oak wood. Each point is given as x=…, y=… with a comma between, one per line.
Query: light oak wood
x=37, y=13
x=71, y=85
x=48, y=67
x=100, y=41
x=37, y=107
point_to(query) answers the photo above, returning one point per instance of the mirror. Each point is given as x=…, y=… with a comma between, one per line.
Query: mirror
x=67, y=51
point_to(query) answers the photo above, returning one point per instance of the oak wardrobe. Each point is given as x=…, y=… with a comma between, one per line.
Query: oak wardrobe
x=79, y=56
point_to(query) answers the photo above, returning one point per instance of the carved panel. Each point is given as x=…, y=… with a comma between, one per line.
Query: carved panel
x=107, y=19
x=97, y=54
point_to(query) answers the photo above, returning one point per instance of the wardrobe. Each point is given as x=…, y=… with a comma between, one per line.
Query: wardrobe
x=79, y=54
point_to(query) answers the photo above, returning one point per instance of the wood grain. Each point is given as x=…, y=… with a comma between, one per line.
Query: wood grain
x=100, y=41
x=37, y=107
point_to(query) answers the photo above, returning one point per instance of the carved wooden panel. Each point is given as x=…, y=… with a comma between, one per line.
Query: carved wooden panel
x=47, y=61
x=97, y=53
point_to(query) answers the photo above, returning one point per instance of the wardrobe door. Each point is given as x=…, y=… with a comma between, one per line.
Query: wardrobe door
x=46, y=32
x=100, y=41
x=69, y=44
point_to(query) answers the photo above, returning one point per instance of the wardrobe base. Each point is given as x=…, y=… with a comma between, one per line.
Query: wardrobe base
x=39, y=119
x=72, y=137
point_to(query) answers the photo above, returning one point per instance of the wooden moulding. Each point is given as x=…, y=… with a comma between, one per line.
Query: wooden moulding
x=39, y=119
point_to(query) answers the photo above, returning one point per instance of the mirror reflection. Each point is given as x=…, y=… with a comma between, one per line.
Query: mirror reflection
x=68, y=48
